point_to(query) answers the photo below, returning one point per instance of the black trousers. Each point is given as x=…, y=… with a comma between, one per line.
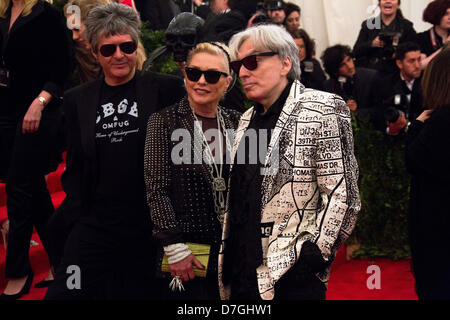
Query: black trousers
x=59, y=227
x=24, y=161
x=298, y=283
x=29, y=204
x=113, y=264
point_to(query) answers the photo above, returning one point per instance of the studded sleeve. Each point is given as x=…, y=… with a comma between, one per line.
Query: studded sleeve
x=157, y=179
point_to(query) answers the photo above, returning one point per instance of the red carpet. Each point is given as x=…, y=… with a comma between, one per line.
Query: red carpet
x=348, y=280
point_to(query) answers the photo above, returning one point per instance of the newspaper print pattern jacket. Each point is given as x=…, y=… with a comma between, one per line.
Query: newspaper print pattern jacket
x=310, y=190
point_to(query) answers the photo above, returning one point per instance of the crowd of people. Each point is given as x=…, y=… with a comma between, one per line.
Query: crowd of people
x=165, y=170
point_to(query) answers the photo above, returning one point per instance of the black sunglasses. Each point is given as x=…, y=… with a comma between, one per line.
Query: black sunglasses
x=250, y=62
x=211, y=76
x=128, y=47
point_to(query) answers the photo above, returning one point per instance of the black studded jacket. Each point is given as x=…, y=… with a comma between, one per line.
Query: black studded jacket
x=180, y=195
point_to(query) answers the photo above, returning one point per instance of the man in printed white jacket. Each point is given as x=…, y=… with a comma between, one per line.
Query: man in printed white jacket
x=293, y=196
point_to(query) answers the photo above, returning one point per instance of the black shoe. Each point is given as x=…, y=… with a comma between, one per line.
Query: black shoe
x=24, y=291
x=43, y=284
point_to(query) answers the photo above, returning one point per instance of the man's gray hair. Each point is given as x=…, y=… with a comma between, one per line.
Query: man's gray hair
x=269, y=37
x=109, y=20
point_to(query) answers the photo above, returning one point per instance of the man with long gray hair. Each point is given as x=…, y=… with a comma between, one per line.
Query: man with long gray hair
x=109, y=252
x=301, y=196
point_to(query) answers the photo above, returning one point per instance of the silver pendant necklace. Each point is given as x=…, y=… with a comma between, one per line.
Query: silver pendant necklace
x=218, y=182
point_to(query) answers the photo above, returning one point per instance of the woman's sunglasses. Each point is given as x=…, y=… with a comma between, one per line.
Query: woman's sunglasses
x=250, y=62
x=211, y=76
x=108, y=50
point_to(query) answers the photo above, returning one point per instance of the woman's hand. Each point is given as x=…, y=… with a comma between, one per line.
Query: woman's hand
x=183, y=268
x=377, y=43
x=32, y=118
x=425, y=115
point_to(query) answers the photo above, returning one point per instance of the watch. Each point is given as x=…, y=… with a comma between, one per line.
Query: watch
x=42, y=100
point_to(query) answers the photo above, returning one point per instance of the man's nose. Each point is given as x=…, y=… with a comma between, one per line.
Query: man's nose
x=118, y=53
x=243, y=72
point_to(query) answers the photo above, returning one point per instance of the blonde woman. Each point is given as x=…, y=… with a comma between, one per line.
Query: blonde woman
x=185, y=200
x=34, y=66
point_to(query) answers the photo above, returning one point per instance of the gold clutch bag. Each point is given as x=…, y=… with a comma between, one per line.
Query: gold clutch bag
x=200, y=251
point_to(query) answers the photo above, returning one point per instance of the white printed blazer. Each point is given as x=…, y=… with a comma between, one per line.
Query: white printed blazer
x=311, y=193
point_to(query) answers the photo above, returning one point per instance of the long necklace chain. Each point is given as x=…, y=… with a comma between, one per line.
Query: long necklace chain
x=218, y=182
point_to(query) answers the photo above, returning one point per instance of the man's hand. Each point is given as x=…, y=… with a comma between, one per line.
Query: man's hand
x=32, y=118
x=183, y=268
x=198, y=2
x=394, y=128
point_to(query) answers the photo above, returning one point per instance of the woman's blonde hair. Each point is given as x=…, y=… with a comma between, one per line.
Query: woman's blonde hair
x=85, y=6
x=29, y=4
x=214, y=48
x=140, y=56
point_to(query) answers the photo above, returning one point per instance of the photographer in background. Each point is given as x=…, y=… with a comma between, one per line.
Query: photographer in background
x=275, y=11
x=351, y=83
x=259, y=17
x=312, y=75
x=209, y=8
x=398, y=97
x=379, y=37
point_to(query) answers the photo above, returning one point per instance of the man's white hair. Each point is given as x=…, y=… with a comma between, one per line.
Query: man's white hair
x=273, y=38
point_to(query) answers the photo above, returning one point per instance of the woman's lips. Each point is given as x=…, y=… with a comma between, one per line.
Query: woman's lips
x=201, y=91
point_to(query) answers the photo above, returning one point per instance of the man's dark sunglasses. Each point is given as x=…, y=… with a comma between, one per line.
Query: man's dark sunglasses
x=211, y=76
x=128, y=47
x=250, y=62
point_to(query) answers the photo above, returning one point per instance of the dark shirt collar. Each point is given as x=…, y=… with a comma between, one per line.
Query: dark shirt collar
x=277, y=107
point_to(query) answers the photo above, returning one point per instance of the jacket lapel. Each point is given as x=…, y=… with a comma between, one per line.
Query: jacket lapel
x=289, y=105
x=146, y=97
x=273, y=152
x=244, y=122
x=87, y=115
x=21, y=21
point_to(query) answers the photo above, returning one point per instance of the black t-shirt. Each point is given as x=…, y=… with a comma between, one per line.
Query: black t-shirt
x=119, y=190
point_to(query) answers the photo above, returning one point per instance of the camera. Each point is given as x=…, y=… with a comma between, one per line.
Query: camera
x=275, y=5
x=262, y=17
x=260, y=7
x=391, y=41
x=389, y=37
x=395, y=107
x=347, y=88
